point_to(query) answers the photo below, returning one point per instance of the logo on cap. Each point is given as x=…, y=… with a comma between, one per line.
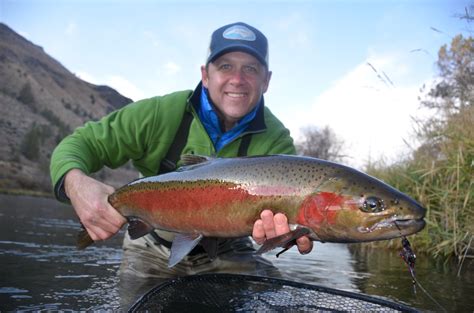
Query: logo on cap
x=239, y=32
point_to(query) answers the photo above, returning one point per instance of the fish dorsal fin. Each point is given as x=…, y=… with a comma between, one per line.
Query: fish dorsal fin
x=193, y=159
x=182, y=245
x=138, y=228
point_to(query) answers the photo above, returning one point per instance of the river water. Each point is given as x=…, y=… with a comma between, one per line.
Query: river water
x=42, y=270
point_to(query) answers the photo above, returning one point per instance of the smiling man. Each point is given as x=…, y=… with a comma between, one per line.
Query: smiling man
x=225, y=116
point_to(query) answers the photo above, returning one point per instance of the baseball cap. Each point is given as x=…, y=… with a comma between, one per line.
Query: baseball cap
x=238, y=37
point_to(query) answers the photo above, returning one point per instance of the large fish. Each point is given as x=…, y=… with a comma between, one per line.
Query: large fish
x=223, y=197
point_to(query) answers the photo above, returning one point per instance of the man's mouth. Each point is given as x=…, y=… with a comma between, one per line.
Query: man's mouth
x=236, y=94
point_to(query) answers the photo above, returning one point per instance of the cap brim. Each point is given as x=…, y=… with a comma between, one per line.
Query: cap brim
x=233, y=48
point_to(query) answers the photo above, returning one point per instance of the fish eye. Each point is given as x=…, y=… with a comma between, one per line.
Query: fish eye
x=372, y=205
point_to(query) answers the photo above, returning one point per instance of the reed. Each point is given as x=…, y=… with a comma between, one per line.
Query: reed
x=440, y=175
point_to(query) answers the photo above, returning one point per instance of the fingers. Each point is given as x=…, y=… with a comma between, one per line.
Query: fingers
x=304, y=244
x=280, y=223
x=89, y=198
x=102, y=221
x=270, y=225
x=258, y=233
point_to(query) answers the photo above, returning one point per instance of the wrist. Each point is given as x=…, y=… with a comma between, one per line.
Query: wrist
x=70, y=179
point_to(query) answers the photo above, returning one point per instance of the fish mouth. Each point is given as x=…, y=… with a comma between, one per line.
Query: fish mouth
x=409, y=226
x=404, y=227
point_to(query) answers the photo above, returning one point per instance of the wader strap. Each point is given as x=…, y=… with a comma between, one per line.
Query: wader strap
x=244, y=145
x=168, y=164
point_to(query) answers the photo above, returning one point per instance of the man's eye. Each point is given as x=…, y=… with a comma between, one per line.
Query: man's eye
x=250, y=69
x=224, y=67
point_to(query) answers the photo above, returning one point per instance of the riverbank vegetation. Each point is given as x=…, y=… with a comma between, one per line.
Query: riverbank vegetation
x=440, y=172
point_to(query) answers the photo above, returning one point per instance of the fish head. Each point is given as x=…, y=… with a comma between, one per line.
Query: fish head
x=352, y=206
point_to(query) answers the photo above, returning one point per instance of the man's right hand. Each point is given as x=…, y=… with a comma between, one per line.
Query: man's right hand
x=89, y=199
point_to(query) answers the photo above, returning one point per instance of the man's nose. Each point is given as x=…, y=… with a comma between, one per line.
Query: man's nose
x=237, y=77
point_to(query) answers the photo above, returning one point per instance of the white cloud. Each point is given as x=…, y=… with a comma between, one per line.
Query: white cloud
x=122, y=85
x=171, y=68
x=88, y=77
x=125, y=87
x=71, y=28
x=369, y=109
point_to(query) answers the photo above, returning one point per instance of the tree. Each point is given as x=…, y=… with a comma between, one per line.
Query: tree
x=26, y=95
x=30, y=145
x=452, y=97
x=320, y=143
x=441, y=174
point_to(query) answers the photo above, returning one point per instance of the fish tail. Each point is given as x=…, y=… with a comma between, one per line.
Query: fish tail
x=83, y=239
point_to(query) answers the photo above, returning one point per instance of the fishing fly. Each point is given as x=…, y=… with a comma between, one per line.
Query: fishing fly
x=409, y=258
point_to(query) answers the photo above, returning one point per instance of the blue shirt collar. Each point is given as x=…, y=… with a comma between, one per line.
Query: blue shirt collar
x=212, y=124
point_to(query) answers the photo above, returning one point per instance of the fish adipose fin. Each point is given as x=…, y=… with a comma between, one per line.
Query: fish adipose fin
x=182, y=245
x=286, y=241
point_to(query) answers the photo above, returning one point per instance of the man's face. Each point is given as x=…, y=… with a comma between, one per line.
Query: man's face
x=236, y=81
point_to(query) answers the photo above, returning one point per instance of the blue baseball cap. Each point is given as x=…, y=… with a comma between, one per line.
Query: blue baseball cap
x=238, y=37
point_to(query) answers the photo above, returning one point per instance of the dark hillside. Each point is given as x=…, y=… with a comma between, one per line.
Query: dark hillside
x=41, y=102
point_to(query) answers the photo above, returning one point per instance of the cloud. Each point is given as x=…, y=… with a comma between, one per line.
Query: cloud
x=122, y=85
x=88, y=77
x=71, y=28
x=125, y=87
x=369, y=109
x=171, y=68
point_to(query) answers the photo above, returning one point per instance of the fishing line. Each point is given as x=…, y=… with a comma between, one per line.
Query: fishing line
x=409, y=257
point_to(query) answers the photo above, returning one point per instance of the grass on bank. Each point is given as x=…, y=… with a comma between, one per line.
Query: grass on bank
x=443, y=182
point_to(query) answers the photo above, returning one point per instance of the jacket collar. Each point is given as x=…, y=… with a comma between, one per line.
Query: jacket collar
x=256, y=125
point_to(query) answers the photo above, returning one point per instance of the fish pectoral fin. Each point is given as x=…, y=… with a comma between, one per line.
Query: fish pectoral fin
x=182, y=245
x=285, y=241
x=210, y=246
x=138, y=228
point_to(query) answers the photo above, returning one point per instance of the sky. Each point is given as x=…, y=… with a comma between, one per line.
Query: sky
x=355, y=66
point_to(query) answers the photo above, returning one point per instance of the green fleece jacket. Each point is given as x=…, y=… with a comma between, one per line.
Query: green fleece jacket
x=143, y=132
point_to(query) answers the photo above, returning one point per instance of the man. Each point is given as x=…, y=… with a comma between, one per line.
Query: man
x=226, y=118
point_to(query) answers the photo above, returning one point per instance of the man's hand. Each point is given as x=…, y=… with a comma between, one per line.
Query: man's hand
x=270, y=226
x=89, y=199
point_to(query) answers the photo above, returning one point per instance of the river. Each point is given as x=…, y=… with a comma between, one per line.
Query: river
x=42, y=270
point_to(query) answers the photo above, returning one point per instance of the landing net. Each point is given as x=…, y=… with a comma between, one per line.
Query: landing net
x=243, y=293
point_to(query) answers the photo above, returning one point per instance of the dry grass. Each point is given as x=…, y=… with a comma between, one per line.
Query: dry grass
x=440, y=175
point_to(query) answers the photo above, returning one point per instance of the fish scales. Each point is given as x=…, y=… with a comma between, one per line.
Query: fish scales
x=224, y=197
x=212, y=198
x=231, y=196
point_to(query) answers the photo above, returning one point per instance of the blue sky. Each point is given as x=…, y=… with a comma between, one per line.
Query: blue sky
x=322, y=54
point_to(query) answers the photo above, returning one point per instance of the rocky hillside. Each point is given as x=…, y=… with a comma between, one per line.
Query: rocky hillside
x=40, y=103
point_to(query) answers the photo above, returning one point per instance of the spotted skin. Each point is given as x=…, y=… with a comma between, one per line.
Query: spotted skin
x=224, y=197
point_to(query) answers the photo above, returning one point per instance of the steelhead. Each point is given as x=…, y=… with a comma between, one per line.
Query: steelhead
x=223, y=197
